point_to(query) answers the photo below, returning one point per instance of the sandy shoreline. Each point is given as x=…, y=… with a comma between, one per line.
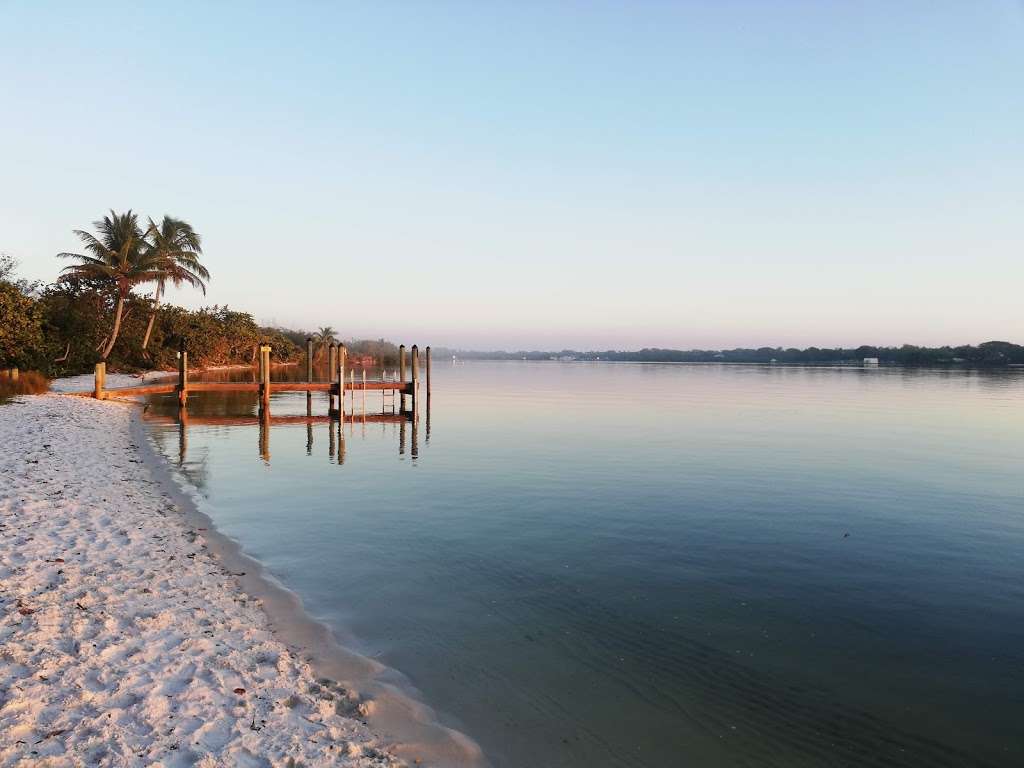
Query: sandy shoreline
x=124, y=638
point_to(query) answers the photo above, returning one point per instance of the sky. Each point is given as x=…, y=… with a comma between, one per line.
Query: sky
x=542, y=175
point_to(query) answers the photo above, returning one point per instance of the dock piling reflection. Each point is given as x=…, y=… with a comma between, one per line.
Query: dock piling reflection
x=265, y=421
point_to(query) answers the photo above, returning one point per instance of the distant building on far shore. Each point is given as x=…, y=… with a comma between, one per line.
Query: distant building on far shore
x=870, y=362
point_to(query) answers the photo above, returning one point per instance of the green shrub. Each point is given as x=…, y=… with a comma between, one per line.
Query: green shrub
x=21, y=327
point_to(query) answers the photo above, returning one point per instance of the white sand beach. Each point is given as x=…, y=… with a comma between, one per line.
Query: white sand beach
x=123, y=639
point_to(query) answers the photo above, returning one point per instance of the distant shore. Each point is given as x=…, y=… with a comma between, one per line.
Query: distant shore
x=986, y=354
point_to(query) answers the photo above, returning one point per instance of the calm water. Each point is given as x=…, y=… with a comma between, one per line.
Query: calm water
x=651, y=565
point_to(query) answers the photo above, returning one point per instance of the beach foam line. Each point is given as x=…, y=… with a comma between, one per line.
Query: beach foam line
x=126, y=638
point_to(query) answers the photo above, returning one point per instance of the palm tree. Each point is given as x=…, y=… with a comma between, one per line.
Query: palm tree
x=118, y=255
x=324, y=337
x=176, y=247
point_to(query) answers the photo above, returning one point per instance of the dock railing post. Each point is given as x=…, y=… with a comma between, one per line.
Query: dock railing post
x=101, y=380
x=182, y=374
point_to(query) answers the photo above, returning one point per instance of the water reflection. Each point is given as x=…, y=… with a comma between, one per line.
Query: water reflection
x=265, y=421
x=648, y=565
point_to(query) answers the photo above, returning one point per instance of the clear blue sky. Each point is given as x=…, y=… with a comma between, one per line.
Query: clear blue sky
x=485, y=174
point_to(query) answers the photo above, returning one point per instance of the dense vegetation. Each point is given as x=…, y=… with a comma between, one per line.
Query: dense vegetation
x=100, y=308
x=987, y=354
x=382, y=352
x=62, y=328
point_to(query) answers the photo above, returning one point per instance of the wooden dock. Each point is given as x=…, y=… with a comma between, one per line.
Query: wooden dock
x=247, y=386
x=336, y=387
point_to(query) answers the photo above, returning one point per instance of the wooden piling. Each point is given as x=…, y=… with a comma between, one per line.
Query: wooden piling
x=259, y=373
x=342, y=362
x=15, y=374
x=182, y=375
x=309, y=375
x=401, y=378
x=332, y=370
x=266, y=376
x=415, y=384
x=101, y=380
x=265, y=382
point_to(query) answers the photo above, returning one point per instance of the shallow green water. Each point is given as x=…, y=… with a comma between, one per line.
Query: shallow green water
x=611, y=565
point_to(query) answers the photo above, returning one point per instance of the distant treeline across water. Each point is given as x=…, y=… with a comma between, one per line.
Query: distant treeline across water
x=989, y=353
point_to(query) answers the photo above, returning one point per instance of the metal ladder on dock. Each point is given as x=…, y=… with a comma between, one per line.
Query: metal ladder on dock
x=387, y=395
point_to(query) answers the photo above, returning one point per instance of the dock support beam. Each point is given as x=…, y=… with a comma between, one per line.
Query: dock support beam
x=101, y=380
x=182, y=375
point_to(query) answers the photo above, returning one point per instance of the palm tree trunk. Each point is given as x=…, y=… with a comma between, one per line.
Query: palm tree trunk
x=117, y=327
x=152, y=317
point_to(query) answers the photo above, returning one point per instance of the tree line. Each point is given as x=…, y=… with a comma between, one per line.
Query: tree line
x=107, y=306
x=381, y=351
x=989, y=353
